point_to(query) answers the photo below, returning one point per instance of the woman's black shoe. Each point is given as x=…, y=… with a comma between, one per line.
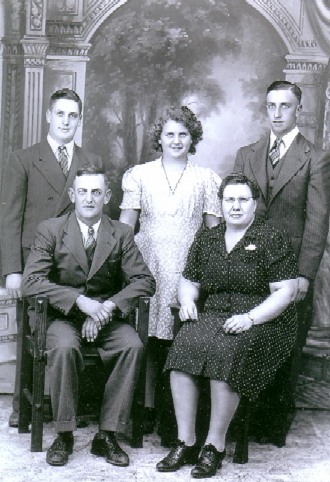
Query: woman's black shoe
x=178, y=456
x=210, y=460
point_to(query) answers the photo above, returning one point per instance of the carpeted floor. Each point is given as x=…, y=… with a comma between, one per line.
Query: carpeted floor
x=306, y=457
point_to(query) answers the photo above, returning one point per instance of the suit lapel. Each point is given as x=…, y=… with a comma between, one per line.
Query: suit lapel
x=105, y=244
x=295, y=158
x=258, y=164
x=72, y=240
x=49, y=167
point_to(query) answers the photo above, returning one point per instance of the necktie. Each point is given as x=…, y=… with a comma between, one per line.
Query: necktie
x=90, y=243
x=63, y=159
x=274, y=153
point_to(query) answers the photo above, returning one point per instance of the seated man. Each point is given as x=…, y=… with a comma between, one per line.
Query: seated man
x=93, y=274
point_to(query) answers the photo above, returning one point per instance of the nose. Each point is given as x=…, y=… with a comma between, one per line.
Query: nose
x=278, y=111
x=176, y=139
x=88, y=197
x=236, y=205
x=65, y=119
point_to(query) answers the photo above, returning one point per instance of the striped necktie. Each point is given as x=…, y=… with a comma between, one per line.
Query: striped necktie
x=274, y=153
x=63, y=159
x=90, y=243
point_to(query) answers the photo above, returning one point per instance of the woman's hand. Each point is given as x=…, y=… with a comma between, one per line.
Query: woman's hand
x=188, y=311
x=237, y=324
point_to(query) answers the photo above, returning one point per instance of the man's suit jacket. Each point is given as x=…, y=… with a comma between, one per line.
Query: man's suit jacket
x=300, y=199
x=34, y=189
x=57, y=266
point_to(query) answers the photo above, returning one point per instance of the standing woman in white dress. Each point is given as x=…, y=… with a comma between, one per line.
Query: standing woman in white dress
x=171, y=197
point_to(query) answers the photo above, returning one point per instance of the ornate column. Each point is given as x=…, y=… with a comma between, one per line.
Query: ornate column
x=11, y=68
x=35, y=46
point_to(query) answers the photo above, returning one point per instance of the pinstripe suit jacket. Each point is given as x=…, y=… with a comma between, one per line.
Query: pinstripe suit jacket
x=300, y=199
x=34, y=189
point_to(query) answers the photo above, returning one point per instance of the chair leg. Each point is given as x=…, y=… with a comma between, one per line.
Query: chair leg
x=24, y=415
x=39, y=361
x=241, y=455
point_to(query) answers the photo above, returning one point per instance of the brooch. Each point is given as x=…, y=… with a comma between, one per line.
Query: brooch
x=250, y=247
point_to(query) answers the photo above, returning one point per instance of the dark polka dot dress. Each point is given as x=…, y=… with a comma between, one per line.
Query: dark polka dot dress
x=234, y=283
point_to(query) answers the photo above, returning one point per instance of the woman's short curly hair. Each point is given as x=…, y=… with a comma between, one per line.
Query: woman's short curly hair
x=186, y=117
x=238, y=178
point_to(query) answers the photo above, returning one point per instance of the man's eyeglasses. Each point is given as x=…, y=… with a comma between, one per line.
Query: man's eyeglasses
x=241, y=200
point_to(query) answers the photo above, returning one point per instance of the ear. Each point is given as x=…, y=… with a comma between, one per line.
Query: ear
x=299, y=108
x=107, y=196
x=48, y=114
x=71, y=195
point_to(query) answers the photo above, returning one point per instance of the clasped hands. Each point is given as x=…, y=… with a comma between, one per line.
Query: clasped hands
x=98, y=315
x=233, y=325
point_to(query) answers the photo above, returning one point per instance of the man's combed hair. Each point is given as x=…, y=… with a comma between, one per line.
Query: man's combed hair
x=68, y=95
x=286, y=85
x=186, y=117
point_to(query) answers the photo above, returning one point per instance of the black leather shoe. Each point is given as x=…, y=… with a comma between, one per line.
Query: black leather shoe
x=13, y=419
x=58, y=453
x=105, y=445
x=209, y=461
x=178, y=456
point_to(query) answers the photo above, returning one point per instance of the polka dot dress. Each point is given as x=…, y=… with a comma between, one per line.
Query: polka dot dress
x=234, y=283
x=168, y=223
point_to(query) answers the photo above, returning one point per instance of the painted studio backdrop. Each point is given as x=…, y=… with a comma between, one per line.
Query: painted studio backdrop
x=128, y=59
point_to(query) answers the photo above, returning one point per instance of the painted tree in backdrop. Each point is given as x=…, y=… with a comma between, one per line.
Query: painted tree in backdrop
x=150, y=54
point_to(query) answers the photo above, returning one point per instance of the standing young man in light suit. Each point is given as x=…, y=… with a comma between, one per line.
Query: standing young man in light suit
x=35, y=188
x=294, y=181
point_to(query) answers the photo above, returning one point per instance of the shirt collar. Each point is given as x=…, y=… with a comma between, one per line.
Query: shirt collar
x=54, y=146
x=84, y=228
x=287, y=138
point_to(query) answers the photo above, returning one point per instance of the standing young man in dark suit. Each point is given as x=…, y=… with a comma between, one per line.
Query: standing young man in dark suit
x=35, y=188
x=294, y=181
x=81, y=261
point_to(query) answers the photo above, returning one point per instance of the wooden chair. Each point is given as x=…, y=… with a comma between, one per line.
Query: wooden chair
x=34, y=360
x=242, y=417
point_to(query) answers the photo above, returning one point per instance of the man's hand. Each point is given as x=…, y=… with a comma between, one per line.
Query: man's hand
x=14, y=284
x=94, y=309
x=90, y=329
x=303, y=285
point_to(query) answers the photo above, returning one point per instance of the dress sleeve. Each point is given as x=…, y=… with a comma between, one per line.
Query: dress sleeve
x=280, y=259
x=211, y=200
x=192, y=270
x=131, y=186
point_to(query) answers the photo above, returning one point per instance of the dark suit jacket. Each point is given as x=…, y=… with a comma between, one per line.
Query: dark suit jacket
x=300, y=200
x=34, y=189
x=57, y=265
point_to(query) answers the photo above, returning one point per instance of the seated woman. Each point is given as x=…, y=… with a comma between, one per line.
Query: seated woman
x=246, y=270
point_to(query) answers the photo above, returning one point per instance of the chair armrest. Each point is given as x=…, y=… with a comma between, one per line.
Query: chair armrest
x=142, y=318
x=175, y=308
x=40, y=306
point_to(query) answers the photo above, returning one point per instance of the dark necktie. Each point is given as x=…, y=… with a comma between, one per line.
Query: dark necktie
x=90, y=243
x=274, y=153
x=63, y=159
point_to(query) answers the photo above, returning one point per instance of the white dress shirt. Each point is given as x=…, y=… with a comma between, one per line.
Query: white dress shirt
x=55, y=145
x=286, y=140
